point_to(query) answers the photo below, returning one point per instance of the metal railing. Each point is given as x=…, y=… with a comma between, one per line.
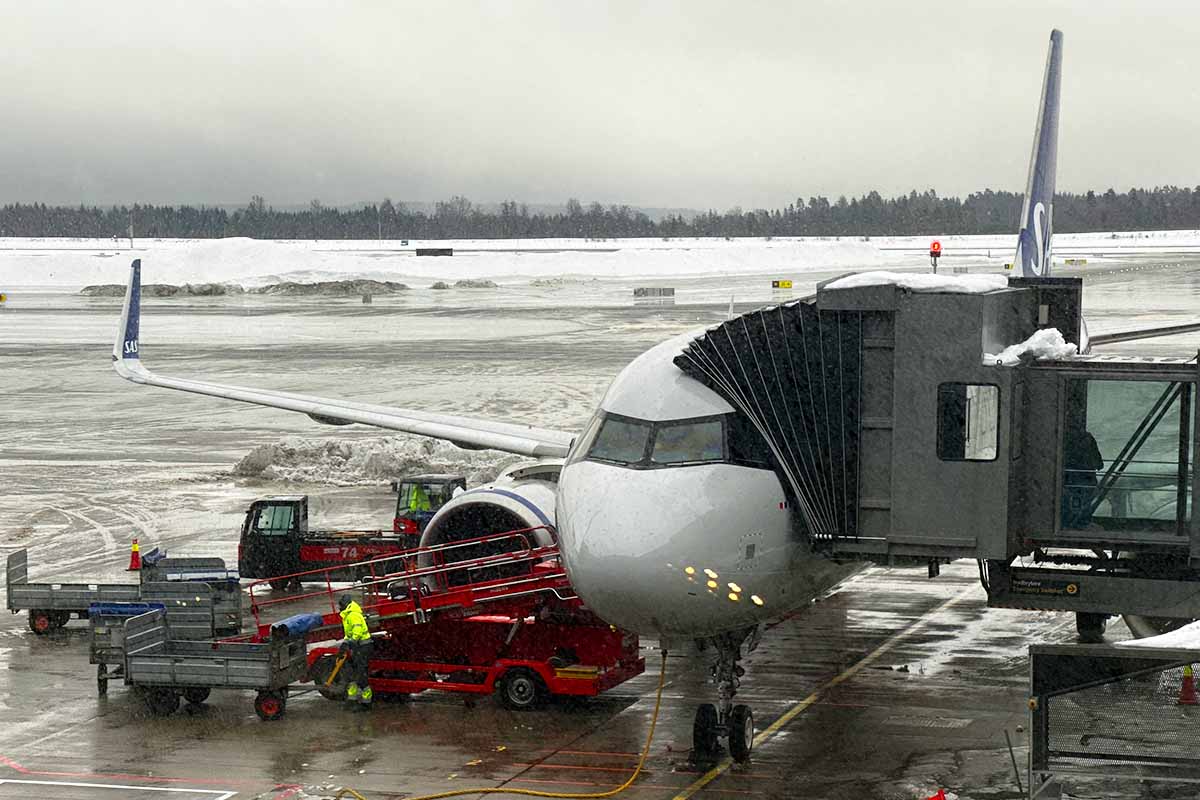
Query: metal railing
x=421, y=570
x=1102, y=715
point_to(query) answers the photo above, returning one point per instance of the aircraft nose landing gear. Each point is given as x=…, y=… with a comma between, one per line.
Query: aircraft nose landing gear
x=734, y=722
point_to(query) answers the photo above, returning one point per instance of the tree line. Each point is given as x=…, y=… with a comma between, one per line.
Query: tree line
x=1160, y=208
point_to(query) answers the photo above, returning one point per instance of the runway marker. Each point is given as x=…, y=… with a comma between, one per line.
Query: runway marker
x=220, y=795
x=769, y=732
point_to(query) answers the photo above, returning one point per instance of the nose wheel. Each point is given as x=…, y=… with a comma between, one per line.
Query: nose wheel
x=735, y=723
x=741, y=733
x=737, y=728
x=706, y=731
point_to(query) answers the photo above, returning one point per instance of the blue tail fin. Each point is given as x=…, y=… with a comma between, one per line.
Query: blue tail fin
x=1033, y=240
x=125, y=348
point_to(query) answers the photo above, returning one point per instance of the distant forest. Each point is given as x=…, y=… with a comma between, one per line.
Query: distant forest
x=1161, y=208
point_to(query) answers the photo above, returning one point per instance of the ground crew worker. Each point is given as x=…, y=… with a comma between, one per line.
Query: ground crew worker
x=357, y=647
x=1081, y=460
x=419, y=500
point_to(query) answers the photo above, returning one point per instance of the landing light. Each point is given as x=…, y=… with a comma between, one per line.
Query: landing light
x=710, y=573
x=733, y=587
x=734, y=596
x=712, y=584
x=690, y=570
x=758, y=601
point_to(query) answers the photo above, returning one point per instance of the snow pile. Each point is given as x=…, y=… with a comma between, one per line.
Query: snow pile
x=922, y=282
x=1187, y=637
x=248, y=262
x=1046, y=343
x=357, y=462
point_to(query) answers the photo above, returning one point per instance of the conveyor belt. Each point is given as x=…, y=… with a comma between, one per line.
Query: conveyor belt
x=540, y=574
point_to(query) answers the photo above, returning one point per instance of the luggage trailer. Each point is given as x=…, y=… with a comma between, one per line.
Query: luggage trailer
x=51, y=604
x=505, y=622
x=192, y=611
x=162, y=669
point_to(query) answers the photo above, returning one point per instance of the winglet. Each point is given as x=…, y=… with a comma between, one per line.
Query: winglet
x=125, y=357
x=1037, y=214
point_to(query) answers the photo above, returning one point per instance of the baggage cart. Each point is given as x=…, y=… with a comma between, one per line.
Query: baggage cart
x=225, y=585
x=50, y=605
x=163, y=669
x=106, y=645
x=189, y=614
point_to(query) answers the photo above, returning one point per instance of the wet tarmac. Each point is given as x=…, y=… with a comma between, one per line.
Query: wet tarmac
x=892, y=687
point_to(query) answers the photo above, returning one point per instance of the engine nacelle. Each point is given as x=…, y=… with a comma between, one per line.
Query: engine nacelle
x=522, y=498
x=501, y=506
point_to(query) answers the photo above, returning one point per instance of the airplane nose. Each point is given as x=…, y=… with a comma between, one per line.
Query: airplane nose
x=629, y=539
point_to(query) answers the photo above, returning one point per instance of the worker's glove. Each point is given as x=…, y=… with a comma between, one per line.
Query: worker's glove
x=344, y=648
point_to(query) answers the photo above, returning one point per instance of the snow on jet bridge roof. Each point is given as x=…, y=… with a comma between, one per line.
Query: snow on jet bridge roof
x=920, y=282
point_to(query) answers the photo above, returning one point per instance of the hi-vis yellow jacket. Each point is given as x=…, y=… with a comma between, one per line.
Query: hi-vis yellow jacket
x=354, y=624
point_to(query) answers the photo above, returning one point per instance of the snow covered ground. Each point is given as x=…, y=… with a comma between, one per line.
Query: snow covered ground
x=69, y=264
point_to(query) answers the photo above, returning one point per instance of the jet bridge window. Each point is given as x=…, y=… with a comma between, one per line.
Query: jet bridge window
x=1126, y=455
x=968, y=421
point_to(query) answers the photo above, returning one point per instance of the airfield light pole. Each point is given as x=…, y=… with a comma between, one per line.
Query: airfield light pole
x=935, y=252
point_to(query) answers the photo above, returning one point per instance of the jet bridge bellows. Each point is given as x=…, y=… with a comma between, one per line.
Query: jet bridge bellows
x=795, y=372
x=897, y=437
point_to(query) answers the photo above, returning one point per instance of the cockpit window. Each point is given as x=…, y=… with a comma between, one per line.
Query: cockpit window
x=621, y=440
x=642, y=444
x=583, y=443
x=688, y=442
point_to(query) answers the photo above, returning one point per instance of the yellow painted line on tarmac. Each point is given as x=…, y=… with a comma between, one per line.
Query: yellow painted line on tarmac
x=775, y=727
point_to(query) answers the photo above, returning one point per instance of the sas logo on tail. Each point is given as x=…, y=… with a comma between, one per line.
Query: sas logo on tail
x=1031, y=244
x=131, y=347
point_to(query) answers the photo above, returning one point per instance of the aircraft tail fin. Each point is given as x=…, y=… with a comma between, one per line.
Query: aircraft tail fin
x=1033, y=239
x=125, y=349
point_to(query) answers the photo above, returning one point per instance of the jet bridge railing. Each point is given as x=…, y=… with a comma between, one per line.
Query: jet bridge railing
x=1107, y=713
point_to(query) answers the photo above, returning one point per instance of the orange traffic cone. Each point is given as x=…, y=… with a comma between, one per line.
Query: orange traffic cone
x=135, y=557
x=1187, y=692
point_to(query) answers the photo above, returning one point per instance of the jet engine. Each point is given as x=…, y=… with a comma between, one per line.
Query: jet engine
x=523, y=498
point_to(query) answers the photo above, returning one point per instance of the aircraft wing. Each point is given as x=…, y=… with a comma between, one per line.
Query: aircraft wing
x=1101, y=339
x=473, y=434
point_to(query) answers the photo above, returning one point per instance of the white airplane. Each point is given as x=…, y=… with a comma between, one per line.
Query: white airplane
x=671, y=520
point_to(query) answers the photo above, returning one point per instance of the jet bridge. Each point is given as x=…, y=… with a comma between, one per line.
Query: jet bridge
x=898, y=438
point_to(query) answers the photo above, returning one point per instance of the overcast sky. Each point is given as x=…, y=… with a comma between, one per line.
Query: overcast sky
x=692, y=103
